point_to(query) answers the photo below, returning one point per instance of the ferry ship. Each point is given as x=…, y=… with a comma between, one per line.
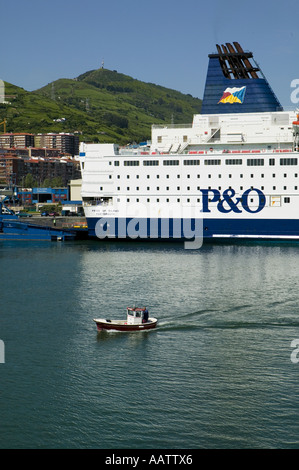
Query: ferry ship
x=231, y=174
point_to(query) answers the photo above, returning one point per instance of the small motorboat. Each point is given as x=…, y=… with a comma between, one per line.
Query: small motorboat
x=137, y=320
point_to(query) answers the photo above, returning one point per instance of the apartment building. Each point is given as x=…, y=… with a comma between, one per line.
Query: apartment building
x=17, y=140
x=13, y=169
x=64, y=142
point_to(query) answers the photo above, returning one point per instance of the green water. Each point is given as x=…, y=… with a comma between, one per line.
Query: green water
x=216, y=373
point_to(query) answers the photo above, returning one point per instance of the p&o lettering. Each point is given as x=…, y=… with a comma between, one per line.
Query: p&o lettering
x=230, y=203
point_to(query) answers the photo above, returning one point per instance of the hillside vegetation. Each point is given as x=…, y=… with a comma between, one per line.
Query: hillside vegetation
x=101, y=105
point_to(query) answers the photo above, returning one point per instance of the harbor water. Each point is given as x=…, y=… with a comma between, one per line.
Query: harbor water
x=219, y=371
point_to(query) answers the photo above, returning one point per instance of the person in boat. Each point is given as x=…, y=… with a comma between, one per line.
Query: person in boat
x=145, y=315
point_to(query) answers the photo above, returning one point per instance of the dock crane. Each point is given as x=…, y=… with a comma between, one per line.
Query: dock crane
x=4, y=126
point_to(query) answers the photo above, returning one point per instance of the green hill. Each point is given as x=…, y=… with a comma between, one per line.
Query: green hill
x=101, y=105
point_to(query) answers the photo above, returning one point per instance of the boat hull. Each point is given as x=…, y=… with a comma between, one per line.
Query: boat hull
x=213, y=229
x=122, y=325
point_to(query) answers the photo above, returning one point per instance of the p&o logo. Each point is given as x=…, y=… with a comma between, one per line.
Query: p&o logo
x=228, y=204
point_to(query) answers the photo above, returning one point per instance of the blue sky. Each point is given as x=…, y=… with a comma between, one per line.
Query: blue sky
x=166, y=42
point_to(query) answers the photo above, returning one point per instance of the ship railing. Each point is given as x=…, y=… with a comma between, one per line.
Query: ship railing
x=228, y=151
x=172, y=126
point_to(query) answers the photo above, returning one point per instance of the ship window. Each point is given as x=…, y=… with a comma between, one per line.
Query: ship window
x=171, y=162
x=118, y=177
x=287, y=199
x=118, y=188
x=213, y=162
x=167, y=188
x=295, y=187
x=167, y=200
x=151, y=162
x=188, y=200
x=148, y=200
x=191, y=162
x=158, y=188
x=188, y=176
x=198, y=188
x=158, y=200
x=296, y=175
x=131, y=163
x=178, y=200
x=128, y=188
x=128, y=177
x=273, y=175
x=137, y=188
x=110, y=177
x=148, y=188
x=233, y=161
x=285, y=175
x=274, y=187
x=271, y=161
x=178, y=188
x=167, y=176
x=128, y=199
x=116, y=163
x=159, y=139
x=284, y=187
x=137, y=177
x=289, y=161
x=255, y=161
x=137, y=199
x=178, y=176
x=185, y=138
x=188, y=188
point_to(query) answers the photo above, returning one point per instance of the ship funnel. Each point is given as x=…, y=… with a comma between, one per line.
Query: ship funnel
x=235, y=83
